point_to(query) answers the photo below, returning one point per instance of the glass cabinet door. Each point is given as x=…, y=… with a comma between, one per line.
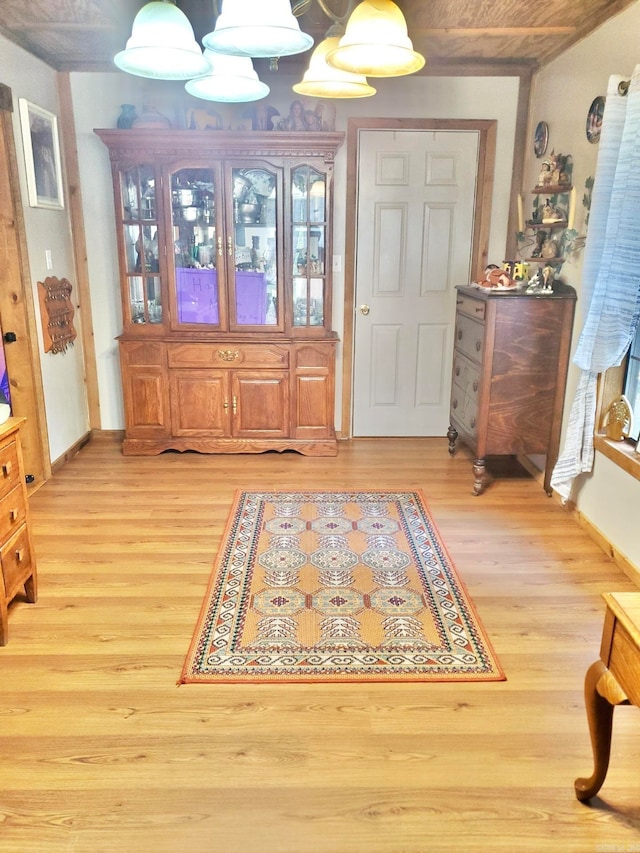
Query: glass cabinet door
x=254, y=290
x=140, y=239
x=309, y=229
x=197, y=246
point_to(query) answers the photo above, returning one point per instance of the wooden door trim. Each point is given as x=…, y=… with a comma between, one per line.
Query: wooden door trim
x=17, y=306
x=78, y=238
x=487, y=129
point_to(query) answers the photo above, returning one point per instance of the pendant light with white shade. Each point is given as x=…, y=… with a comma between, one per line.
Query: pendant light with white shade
x=162, y=45
x=321, y=80
x=232, y=79
x=376, y=42
x=258, y=28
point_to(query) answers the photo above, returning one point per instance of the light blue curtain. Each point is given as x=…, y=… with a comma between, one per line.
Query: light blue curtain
x=611, y=273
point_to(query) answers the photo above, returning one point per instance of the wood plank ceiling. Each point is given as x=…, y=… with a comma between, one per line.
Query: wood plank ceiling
x=457, y=36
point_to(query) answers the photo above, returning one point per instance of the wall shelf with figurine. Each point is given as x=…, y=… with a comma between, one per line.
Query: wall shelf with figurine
x=544, y=238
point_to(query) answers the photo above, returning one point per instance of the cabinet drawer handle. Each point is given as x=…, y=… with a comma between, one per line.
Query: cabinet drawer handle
x=230, y=246
x=235, y=404
x=457, y=371
x=226, y=404
x=479, y=309
x=459, y=334
x=220, y=245
x=14, y=514
x=473, y=423
x=19, y=555
x=475, y=385
x=454, y=404
x=6, y=469
x=228, y=354
x=478, y=346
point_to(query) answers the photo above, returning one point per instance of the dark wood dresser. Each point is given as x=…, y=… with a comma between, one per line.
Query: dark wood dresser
x=509, y=374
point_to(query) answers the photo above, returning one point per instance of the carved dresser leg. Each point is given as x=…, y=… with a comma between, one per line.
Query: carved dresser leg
x=452, y=435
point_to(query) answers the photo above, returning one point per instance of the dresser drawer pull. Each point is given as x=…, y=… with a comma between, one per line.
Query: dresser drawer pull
x=473, y=423
x=475, y=384
x=459, y=334
x=478, y=346
x=479, y=309
x=6, y=469
x=457, y=371
x=19, y=555
x=228, y=354
x=454, y=404
x=14, y=515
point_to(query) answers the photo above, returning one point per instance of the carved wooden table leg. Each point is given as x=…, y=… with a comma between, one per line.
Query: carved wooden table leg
x=479, y=471
x=452, y=435
x=600, y=718
x=612, y=680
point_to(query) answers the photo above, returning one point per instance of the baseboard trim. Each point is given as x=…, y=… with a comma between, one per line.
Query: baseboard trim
x=61, y=461
x=623, y=562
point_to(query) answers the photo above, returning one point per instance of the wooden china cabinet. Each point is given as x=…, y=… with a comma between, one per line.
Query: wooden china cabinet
x=224, y=243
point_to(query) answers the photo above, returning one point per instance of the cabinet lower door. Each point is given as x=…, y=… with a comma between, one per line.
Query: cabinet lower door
x=260, y=403
x=144, y=381
x=200, y=403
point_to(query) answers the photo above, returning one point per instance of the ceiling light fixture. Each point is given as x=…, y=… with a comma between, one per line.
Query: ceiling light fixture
x=265, y=28
x=321, y=80
x=162, y=45
x=376, y=42
x=232, y=79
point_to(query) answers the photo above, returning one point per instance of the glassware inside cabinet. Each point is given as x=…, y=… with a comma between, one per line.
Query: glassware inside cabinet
x=255, y=254
x=195, y=245
x=308, y=191
x=140, y=238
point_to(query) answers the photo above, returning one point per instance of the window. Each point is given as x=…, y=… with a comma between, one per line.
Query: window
x=631, y=388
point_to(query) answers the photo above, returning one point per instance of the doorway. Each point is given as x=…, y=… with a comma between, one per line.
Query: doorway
x=422, y=192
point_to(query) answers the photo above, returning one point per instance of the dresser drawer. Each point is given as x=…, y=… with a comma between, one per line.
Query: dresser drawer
x=16, y=561
x=469, y=337
x=9, y=468
x=464, y=410
x=466, y=375
x=228, y=355
x=470, y=306
x=12, y=512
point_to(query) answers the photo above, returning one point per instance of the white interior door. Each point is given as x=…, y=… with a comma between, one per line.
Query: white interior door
x=416, y=201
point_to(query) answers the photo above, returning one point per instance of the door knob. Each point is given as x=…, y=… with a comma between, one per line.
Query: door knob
x=364, y=309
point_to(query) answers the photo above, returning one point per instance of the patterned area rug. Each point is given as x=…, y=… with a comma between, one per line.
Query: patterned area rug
x=339, y=586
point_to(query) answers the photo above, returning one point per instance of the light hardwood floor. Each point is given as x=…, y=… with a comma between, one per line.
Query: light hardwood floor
x=101, y=752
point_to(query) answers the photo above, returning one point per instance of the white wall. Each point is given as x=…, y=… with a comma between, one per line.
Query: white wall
x=62, y=374
x=97, y=99
x=562, y=95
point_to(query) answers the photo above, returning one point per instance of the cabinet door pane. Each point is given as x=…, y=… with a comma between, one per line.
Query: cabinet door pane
x=140, y=239
x=308, y=240
x=195, y=246
x=255, y=291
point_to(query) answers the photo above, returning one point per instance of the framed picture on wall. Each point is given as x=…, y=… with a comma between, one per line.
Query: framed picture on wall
x=41, y=156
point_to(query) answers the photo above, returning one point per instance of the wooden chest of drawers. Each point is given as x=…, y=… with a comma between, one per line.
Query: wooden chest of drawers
x=509, y=372
x=17, y=559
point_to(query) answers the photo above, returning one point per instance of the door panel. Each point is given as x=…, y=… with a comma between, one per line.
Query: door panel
x=260, y=404
x=199, y=402
x=416, y=201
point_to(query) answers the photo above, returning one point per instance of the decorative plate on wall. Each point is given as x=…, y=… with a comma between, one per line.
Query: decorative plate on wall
x=594, y=119
x=541, y=138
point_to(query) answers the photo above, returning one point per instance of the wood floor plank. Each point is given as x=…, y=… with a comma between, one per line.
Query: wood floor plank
x=101, y=751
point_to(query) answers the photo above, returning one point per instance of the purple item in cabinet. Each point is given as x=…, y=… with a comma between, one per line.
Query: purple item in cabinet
x=197, y=296
x=251, y=298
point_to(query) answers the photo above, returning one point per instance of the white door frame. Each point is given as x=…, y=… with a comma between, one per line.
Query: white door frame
x=487, y=130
